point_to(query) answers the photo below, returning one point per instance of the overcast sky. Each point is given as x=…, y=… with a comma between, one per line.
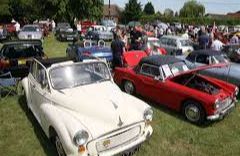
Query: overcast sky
x=211, y=6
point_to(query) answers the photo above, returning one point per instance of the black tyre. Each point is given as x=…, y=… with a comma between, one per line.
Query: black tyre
x=58, y=146
x=129, y=87
x=194, y=112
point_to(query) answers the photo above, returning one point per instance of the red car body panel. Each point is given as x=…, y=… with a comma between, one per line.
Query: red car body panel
x=171, y=93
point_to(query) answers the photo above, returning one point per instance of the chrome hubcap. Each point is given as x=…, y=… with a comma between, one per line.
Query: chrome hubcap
x=128, y=87
x=59, y=147
x=192, y=113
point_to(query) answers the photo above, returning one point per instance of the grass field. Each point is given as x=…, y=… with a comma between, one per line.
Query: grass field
x=20, y=134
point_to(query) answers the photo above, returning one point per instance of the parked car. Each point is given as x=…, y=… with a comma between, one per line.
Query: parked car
x=109, y=24
x=67, y=35
x=152, y=47
x=14, y=56
x=60, y=95
x=176, y=45
x=31, y=32
x=62, y=27
x=99, y=32
x=232, y=51
x=229, y=73
x=83, y=49
x=168, y=81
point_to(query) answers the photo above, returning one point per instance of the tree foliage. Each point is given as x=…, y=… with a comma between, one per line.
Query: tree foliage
x=61, y=10
x=192, y=9
x=168, y=12
x=149, y=9
x=132, y=12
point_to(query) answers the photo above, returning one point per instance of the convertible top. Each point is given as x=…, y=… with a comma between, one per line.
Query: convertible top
x=159, y=60
x=208, y=52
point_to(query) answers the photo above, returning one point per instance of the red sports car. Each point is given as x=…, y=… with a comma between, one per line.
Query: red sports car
x=167, y=80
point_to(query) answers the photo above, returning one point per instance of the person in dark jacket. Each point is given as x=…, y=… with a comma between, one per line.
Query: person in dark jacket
x=118, y=48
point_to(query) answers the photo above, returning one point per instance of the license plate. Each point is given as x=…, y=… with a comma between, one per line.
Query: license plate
x=20, y=62
x=69, y=38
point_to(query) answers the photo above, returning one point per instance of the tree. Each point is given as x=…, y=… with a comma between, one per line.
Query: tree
x=149, y=9
x=21, y=9
x=192, y=9
x=168, y=12
x=132, y=11
x=176, y=14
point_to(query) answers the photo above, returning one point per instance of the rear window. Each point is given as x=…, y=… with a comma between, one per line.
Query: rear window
x=22, y=51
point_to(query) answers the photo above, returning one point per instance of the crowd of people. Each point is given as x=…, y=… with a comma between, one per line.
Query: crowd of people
x=202, y=37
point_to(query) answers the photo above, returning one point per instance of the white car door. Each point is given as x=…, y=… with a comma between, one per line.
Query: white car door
x=41, y=91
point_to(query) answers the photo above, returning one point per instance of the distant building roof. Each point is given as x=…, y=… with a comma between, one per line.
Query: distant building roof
x=234, y=15
x=115, y=10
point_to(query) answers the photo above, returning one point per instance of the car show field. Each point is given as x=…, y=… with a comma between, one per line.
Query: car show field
x=20, y=133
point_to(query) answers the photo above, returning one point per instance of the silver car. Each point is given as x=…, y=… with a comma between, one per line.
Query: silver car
x=230, y=72
x=30, y=32
x=176, y=45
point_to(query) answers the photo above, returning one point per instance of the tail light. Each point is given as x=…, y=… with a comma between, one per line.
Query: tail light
x=86, y=53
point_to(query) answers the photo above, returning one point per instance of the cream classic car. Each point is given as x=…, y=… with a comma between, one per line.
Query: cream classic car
x=82, y=110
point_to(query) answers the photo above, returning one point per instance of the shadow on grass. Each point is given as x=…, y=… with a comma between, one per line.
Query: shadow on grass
x=48, y=147
x=177, y=115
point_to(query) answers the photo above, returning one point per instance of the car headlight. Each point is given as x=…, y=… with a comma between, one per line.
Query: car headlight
x=80, y=137
x=216, y=104
x=148, y=114
x=236, y=91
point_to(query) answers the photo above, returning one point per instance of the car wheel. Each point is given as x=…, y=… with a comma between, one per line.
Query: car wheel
x=194, y=112
x=59, y=146
x=129, y=87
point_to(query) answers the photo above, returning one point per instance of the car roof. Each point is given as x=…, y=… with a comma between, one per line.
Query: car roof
x=159, y=60
x=34, y=42
x=31, y=25
x=208, y=52
x=173, y=37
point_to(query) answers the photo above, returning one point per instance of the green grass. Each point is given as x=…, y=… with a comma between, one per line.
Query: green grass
x=20, y=134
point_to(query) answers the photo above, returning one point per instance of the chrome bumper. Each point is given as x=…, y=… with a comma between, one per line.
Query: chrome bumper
x=220, y=115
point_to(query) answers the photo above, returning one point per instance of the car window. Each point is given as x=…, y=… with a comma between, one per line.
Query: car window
x=39, y=73
x=150, y=70
x=163, y=41
x=202, y=59
x=172, y=42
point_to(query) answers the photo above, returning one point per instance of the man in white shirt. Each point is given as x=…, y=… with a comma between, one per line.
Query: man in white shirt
x=217, y=44
x=17, y=27
x=185, y=35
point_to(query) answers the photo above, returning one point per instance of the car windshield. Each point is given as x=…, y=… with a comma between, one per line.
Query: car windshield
x=71, y=76
x=30, y=28
x=185, y=42
x=219, y=59
x=174, y=69
x=22, y=51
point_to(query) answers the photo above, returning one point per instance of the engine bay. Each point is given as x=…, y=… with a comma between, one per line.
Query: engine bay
x=197, y=82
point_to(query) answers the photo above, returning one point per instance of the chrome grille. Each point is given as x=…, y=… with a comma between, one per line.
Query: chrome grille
x=118, y=139
x=225, y=103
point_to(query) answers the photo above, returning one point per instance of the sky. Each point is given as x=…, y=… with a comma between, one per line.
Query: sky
x=211, y=6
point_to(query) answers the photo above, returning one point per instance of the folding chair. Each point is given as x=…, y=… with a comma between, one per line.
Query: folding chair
x=8, y=85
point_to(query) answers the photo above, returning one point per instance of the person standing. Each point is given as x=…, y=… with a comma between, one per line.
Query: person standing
x=216, y=44
x=118, y=48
